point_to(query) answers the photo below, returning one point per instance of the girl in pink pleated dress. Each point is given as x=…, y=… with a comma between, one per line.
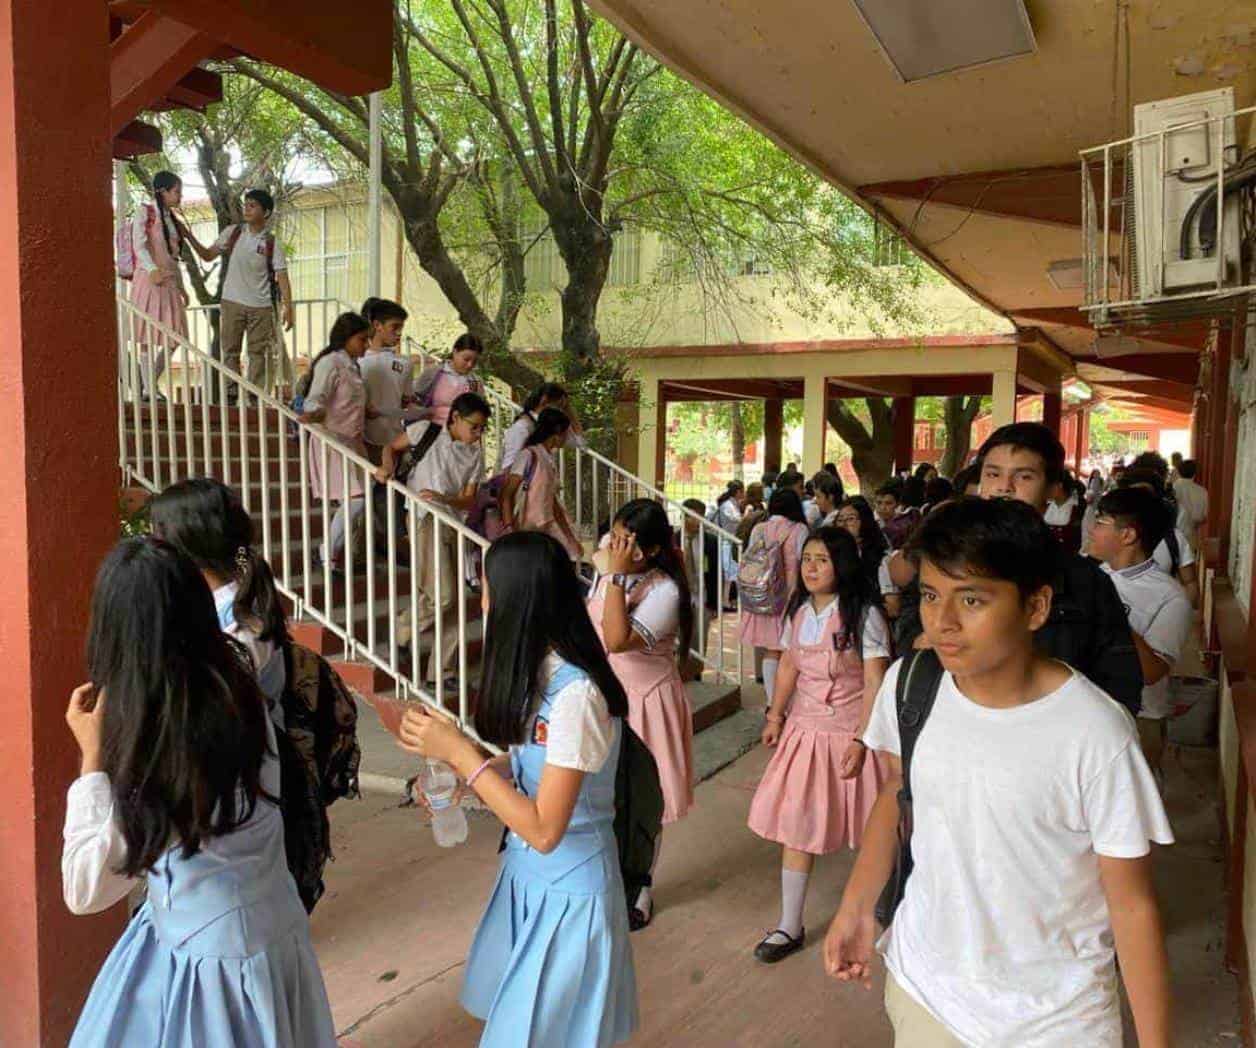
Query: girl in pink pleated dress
x=821, y=783
x=438, y=387
x=336, y=402
x=157, y=286
x=785, y=527
x=535, y=471
x=640, y=609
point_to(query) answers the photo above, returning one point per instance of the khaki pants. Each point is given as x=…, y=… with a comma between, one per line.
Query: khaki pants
x=438, y=558
x=914, y=1026
x=258, y=322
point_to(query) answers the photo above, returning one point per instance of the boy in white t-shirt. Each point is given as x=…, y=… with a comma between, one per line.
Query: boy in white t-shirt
x=1130, y=524
x=1033, y=813
x=388, y=375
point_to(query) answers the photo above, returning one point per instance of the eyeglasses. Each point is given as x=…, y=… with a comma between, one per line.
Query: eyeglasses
x=847, y=520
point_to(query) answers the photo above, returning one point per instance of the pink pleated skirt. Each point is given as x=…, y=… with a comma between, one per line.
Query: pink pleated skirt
x=162, y=302
x=334, y=489
x=762, y=631
x=664, y=721
x=803, y=802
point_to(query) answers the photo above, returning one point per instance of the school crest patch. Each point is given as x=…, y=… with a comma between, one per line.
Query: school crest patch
x=398, y=367
x=540, y=732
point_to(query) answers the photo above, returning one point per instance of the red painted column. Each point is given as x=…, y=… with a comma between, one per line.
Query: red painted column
x=1083, y=434
x=59, y=475
x=1218, y=416
x=1052, y=406
x=773, y=434
x=904, y=422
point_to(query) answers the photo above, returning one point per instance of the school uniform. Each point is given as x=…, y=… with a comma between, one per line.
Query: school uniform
x=812, y=513
x=389, y=380
x=220, y=952
x=337, y=389
x=267, y=658
x=551, y=963
x=1192, y=502
x=535, y=468
x=439, y=386
x=1003, y=936
x=516, y=438
x=1164, y=558
x=658, y=706
x=1161, y=614
x=727, y=517
x=802, y=801
x=247, y=303
x=448, y=468
x=156, y=250
x=759, y=629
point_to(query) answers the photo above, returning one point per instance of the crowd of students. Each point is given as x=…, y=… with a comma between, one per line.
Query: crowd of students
x=1003, y=741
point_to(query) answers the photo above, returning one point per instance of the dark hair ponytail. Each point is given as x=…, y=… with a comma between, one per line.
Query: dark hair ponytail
x=550, y=423
x=346, y=326
x=735, y=487
x=205, y=521
x=647, y=520
x=163, y=181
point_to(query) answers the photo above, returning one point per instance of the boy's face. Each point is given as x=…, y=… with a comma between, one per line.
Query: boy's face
x=887, y=506
x=1014, y=473
x=388, y=332
x=691, y=526
x=254, y=212
x=467, y=429
x=974, y=622
x=1108, y=539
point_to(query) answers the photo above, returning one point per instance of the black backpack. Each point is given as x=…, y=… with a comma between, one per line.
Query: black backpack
x=419, y=449
x=916, y=689
x=638, y=812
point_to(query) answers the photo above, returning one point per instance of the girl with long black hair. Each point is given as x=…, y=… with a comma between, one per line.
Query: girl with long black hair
x=157, y=285
x=855, y=516
x=641, y=608
x=551, y=963
x=335, y=399
x=205, y=520
x=546, y=395
x=535, y=471
x=821, y=783
x=179, y=783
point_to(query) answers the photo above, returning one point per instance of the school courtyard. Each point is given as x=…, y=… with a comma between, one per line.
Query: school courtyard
x=393, y=930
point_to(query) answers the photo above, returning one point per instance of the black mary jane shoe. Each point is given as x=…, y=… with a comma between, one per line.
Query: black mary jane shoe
x=771, y=952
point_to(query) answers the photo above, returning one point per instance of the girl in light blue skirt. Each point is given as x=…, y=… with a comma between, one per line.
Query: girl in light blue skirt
x=550, y=964
x=180, y=784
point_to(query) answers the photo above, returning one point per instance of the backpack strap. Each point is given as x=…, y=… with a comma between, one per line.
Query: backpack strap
x=529, y=470
x=236, y=231
x=914, y=695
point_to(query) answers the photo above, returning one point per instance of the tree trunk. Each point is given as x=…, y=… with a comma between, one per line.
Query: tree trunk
x=739, y=442
x=585, y=246
x=871, y=454
x=958, y=414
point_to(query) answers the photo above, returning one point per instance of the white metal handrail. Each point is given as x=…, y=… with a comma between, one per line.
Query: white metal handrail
x=256, y=456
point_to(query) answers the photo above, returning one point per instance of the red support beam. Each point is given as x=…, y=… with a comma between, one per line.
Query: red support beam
x=773, y=434
x=1052, y=404
x=136, y=139
x=343, y=47
x=147, y=61
x=904, y=423
x=1187, y=334
x=54, y=149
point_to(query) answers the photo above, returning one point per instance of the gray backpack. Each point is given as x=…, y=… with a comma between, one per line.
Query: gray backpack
x=761, y=581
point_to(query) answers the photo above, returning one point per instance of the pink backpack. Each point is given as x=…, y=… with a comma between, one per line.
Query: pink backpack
x=124, y=243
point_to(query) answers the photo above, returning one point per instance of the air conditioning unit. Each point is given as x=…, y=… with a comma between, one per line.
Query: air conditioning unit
x=1179, y=146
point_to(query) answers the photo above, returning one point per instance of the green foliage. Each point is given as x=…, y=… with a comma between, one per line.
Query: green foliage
x=1103, y=439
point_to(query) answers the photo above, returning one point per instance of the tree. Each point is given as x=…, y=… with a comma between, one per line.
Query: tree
x=958, y=415
x=871, y=443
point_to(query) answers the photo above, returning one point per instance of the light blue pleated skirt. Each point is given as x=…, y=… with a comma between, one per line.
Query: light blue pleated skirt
x=551, y=964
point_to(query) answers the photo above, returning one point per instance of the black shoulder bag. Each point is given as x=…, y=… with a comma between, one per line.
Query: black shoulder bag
x=916, y=689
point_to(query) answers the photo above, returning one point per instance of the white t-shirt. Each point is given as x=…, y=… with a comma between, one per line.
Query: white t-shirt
x=247, y=282
x=884, y=581
x=1059, y=514
x=875, y=638
x=1161, y=614
x=1192, y=500
x=1164, y=559
x=581, y=728
x=1003, y=933
x=389, y=379
x=448, y=468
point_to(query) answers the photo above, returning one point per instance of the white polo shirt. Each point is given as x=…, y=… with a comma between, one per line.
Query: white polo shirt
x=389, y=379
x=1164, y=559
x=1160, y=613
x=247, y=282
x=448, y=467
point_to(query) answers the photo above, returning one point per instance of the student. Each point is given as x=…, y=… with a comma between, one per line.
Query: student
x=792, y=480
x=440, y=385
x=700, y=552
x=728, y=512
x=1192, y=502
x=204, y=520
x=1174, y=554
x=1033, y=810
x=641, y=609
x=821, y=783
x=1087, y=627
x=968, y=481
x=535, y=470
x=1065, y=509
x=448, y=475
x=896, y=517
x=1130, y=524
x=753, y=512
x=389, y=376
x=769, y=483
x=829, y=496
x=179, y=784
x=336, y=402
x=855, y=516
x=551, y=963
x=786, y=529
x=548, y=395
x=157, y=285
x=255, y=273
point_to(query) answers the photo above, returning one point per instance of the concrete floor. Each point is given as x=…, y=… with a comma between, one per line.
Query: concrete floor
x=393, y=930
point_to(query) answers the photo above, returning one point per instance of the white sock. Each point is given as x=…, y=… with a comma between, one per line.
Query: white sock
x=769, y=677
x=793, y=895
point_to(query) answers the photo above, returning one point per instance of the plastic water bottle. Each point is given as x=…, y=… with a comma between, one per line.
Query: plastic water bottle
x=449, y=821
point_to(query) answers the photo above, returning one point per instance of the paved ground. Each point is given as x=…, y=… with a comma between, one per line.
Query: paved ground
x=393, y=931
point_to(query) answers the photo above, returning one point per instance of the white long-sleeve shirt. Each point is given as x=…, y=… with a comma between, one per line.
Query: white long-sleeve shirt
x=93, y=848
x=139, y=235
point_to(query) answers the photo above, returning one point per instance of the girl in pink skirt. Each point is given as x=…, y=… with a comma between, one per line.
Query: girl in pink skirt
x=821, y=783
x=640, y=609
x=785, y=527
x=438, y=387
x=535, y=471
x=157, y=286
